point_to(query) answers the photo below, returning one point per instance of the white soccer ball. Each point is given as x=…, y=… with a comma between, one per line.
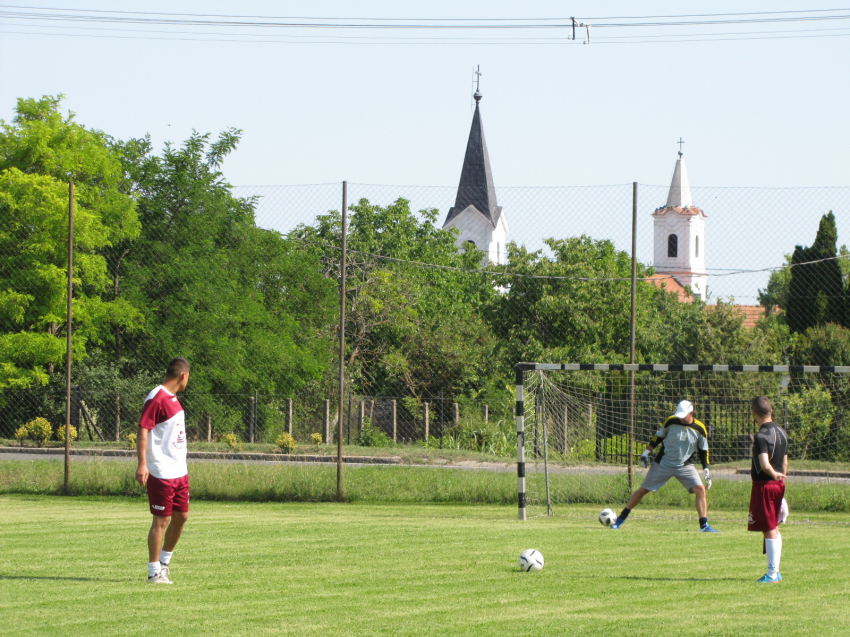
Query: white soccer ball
x=607, y=517
x=531, y=561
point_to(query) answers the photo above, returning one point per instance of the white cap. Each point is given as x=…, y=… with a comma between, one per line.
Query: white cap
x=685, y=407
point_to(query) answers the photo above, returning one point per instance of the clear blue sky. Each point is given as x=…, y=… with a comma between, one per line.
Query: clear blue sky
x=753, y=113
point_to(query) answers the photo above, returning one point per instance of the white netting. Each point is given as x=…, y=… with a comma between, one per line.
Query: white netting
x=577, y=431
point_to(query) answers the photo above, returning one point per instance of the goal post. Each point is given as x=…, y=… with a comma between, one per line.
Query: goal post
x=581, y=427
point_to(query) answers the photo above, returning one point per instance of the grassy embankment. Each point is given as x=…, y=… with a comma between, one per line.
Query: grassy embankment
x=397, y=484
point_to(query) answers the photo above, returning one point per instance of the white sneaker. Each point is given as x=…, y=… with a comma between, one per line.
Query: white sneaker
x=165, y=571
x=159, y=578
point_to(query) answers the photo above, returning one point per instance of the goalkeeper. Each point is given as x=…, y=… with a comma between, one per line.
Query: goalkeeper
x=679, y=441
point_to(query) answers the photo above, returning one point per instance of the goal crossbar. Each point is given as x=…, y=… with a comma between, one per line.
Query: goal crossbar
x=521, y=368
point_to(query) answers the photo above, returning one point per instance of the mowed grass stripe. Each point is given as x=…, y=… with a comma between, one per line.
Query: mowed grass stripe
x=357, y=569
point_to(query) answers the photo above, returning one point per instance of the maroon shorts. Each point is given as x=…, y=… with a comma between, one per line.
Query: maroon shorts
x=765, y=502
x=167, y=495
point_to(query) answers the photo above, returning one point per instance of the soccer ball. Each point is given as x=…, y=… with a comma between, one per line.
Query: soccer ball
x=531, y=561
x=607, y=517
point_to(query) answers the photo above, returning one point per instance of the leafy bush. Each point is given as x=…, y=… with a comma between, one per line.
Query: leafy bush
x=286, y=443
x=21, y=434
x=60, y=433
x=371, y=436
x=233, y=440
x=131, y=439
x=317, y=440
x=38, y=429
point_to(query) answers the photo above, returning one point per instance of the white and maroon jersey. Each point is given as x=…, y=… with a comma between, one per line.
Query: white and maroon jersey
x=164, y=418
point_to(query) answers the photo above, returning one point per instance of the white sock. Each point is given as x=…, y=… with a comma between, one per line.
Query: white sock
x=154, y=568
x=773, y=548
x=165, y=556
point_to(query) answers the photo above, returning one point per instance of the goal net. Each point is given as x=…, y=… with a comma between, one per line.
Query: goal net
x=582, y=428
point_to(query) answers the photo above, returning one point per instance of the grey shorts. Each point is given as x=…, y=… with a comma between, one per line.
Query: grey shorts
x=659, y=475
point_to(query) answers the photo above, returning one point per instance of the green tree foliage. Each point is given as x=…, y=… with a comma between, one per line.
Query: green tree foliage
x=816, y=289
x=40, y=152
x=245, y=305
x=409, y=329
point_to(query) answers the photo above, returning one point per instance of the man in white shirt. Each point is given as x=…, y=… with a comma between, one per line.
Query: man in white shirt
x=161, y=449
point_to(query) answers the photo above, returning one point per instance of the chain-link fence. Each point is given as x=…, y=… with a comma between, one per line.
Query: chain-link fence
x=245, y=283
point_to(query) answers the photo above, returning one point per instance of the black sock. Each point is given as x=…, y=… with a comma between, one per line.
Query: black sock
x=703, y=522
x=625, y=513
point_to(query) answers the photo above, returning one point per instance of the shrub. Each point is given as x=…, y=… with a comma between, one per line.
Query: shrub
x=22, y=433
x=286, y=443
x=317, y=440
x=233, y=440
x=60, y=433
x=131, y=438
x=371, y=436
x=37, y=429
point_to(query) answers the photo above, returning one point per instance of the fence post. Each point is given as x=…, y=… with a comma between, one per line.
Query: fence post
x=209, y=428
x=426, y=421
x=289, y=416
x=251, y=405
x=456, y=413
x=486, y=414
x=362, y=415
x=565, y=429
x=327, y=430
x=117, y=417
x=395, y=422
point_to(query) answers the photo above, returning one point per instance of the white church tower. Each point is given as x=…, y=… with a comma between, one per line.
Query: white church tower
x=680, y=235
x=476, y=214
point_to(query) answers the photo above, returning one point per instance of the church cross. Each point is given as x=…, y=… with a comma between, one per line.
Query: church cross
x=680, y=142
x=478, y=78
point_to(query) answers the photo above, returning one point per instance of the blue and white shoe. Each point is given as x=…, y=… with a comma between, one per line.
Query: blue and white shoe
x=708, y=529
x=620, y=522
x=766, y=579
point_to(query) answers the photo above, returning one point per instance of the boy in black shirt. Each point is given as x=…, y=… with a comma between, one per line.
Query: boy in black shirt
x=769, y=468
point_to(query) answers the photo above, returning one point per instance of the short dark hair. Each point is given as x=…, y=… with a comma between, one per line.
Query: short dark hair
x=176, y=367
x=762, y=406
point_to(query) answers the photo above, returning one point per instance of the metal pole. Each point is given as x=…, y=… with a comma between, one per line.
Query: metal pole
x=69, y=331
x=520, y=443
x=342, y=276
x=442, y=417
x=632, y=341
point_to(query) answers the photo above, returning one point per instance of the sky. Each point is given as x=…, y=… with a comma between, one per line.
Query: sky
x=752, y=113
x=320, y=106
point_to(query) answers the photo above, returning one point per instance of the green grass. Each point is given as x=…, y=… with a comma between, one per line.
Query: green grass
x=397, y=484
x=76, y=566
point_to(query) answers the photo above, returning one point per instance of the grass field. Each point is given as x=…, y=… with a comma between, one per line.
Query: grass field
x=76, y=566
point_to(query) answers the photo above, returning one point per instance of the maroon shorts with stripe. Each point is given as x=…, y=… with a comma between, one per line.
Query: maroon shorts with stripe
x=765, y=502
x=167, y=495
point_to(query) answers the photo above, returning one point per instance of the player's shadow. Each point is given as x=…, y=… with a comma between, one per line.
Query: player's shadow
x=46, y=577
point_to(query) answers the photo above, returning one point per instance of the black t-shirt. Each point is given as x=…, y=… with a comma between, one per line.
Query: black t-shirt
x=772, y=440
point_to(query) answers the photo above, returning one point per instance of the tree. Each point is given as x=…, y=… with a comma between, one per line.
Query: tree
x=245, y=305
x=816, y=289
x=410, y=329
x=40, y=152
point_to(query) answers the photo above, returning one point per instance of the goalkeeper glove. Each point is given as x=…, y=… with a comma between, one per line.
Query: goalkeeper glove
x=644, y=458
x=707, y=478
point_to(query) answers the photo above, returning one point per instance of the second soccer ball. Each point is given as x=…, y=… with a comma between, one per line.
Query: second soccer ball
x=607, y=517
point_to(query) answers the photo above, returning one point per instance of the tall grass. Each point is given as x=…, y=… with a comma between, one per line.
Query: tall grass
x=399, y=484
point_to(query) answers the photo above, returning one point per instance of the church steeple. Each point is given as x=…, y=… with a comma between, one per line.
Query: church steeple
x=679, y=229
x=476, y=178
x=680, y=188
x=476, y=215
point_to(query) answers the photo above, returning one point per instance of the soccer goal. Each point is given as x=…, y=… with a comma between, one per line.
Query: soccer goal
x=581, y=428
